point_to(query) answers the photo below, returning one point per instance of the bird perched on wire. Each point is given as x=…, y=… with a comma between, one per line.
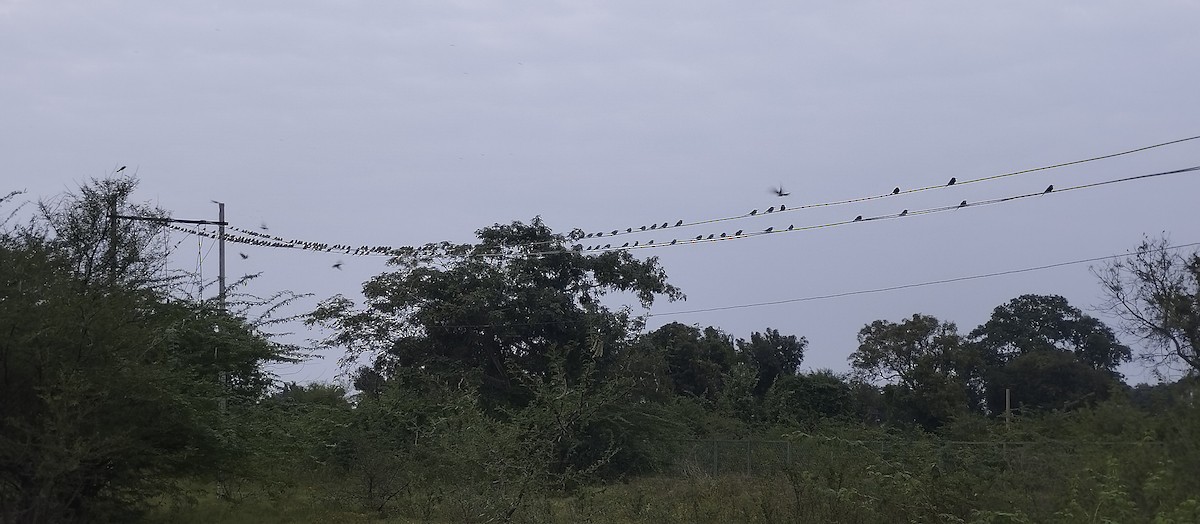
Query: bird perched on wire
x=952, y=181
x=1048, y=189
x=896, y=191
x=680, y=223
x=769, y=229
x=905, y=212
x=337, y=265
x=753, y=212
x=771, y=209
x=962, y=204
x=738, y=234
x=858, y=218
x=779, y=191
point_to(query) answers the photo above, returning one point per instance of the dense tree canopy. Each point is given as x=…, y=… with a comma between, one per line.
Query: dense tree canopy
x=505, y=306
x=1033, y=323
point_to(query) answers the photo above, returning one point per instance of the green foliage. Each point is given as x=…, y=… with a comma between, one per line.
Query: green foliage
x=500, y=306
x=930, y=373
x=694, y=361
x=772, y=355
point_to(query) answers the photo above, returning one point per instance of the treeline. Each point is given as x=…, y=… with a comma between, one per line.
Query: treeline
x=500, y=384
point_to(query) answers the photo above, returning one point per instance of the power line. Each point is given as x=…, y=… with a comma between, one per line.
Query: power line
x=896, y=192
x=259, y=239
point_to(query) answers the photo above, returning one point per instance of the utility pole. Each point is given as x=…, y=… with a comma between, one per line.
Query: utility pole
x=220, y=291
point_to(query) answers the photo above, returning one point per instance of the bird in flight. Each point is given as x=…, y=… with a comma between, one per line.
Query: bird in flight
x=337, y=265
x=122, y=168
x=952, y=181
x=779, y=191
x=244, y=256
x=1048, y=189
x=263, y=227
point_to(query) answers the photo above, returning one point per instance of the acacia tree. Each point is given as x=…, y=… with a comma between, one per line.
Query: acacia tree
x=504, y=306
x=1156, y=293
x=109, y=386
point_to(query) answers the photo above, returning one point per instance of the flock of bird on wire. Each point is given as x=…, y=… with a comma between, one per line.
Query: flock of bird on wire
x=594, y=239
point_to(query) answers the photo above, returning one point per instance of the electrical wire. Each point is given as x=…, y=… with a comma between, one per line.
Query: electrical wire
x=259, y=239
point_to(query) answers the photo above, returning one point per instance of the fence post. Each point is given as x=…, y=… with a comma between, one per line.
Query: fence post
x=749, y=446
x=714, y=457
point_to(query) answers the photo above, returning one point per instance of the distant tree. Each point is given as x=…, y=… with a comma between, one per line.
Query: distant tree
x=1032, y=323
x=501, y=306
x=695, y=361
x=1047, y=355
x=772, y=355
x=809, y=397
x=1156, y=293
x=928, y=371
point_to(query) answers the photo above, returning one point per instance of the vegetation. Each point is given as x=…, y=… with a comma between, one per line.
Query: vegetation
x=503, y=385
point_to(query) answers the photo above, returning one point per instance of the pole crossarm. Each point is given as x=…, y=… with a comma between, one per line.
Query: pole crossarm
x=170, y=220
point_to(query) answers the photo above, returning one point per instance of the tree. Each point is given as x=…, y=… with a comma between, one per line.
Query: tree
x=1156, y=293
x=1048, y=354
x=501, y=306
x=810, y=397
x=694, y=361
x=1032, y=323
x=772, y=355
x=930, y=374
x=109, y=385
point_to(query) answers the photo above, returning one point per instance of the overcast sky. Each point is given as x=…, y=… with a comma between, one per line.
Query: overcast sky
x=402, y=123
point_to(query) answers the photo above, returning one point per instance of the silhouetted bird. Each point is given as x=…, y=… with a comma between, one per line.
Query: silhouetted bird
x=771, y=209
x=962, y=204
x=905, y=212
x=606, y=246
x=753, y=212
x=769, y=229
x=264, y=227
x=643, y=228
x=739, y=233
x=673, y=242
x=896, y=191
x=779, y=191
x=589, y=235
x=858, y=218
x=635, y=243
x=122, y=168
x=1048, y=189
x=791, y=227
x=629, y=230
x=337, y=265
x=710, y=237
x=244, y=256
x=653, y=226
x=614, y=232
x=650, y=242
x=664, y=224
x=600, y=234
x=952, y=181
x=698, y=237
x=722, y=235
x=782, y=207
x=680, y=223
